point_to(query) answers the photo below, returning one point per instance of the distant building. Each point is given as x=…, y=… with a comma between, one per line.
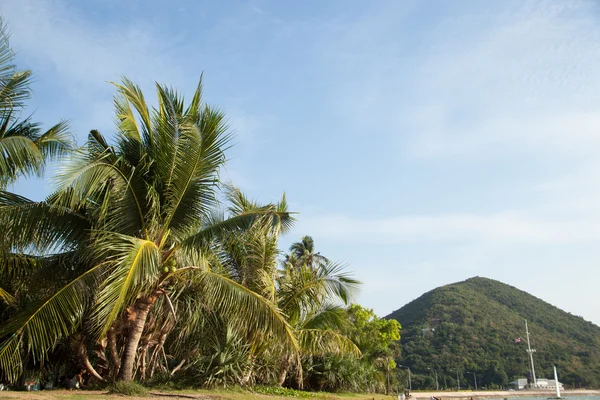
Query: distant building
x=519, y=384
x=427, y=332
x=548, y=384
x=542, y=383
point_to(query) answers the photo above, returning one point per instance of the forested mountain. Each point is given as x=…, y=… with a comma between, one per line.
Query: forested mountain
x=474, y=326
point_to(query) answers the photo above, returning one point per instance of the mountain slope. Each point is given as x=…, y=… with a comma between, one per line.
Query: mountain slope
x=472, y=326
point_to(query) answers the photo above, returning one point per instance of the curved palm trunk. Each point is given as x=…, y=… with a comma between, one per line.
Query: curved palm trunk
x=114, y=353
x=284, y=370
x=140, y=312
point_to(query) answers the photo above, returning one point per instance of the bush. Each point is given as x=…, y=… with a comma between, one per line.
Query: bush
x=128, y=389
x=279, y=391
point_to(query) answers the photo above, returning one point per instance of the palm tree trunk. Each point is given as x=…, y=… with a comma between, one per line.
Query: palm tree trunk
x=284, y=370
x=140, y=311
x=114, y=353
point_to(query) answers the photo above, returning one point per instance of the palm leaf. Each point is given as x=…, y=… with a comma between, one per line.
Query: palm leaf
x=6, y=297
x=134, y=271
x=19, y=156
x=322, y=342
x=247, y=308
x=42, y=324
x=218, y=225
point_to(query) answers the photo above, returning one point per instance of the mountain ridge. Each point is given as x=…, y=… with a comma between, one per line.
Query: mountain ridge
x=473, y=325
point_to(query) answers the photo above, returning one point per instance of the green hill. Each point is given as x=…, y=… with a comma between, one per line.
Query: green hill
x=473, y=326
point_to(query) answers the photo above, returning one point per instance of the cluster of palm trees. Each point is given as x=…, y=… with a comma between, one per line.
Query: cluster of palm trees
x=142, y=262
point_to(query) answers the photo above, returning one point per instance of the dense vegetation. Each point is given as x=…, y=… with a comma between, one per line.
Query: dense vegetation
x=142, y=265
x=473, y=326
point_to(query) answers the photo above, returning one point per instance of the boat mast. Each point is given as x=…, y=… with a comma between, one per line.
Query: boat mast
x=530, y=351
x=556, y=383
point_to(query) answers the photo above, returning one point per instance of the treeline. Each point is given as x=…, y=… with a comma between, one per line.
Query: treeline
x=471, y=328
x=132, y=269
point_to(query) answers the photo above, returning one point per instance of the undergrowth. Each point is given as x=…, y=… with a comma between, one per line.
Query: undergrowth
x=128, y=389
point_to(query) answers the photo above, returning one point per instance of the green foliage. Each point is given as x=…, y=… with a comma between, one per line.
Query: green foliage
x=378, y=341
x=472, y=326
x=373, y=335
x=128, y=389
x=280, y=391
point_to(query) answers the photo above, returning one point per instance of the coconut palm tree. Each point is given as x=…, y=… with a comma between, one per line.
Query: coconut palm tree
x=24, y=148
x=313, y=299
x=136, y=219
x=303, y=252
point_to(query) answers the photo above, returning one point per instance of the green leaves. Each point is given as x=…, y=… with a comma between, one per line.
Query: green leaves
x=23, y=148
x=133, y=268
x=41, y=325
x=247, y=308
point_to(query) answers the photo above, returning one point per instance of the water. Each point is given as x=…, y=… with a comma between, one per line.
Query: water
x=577, y=396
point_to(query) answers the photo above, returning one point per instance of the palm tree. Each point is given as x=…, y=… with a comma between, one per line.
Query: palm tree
x=137, y=219
x=309, y=297
x=313, y=298
x=24, y=149
x=303, y=252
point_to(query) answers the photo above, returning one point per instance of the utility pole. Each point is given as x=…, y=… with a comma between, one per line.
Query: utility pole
x=530, y=351
x=409, y=378
x=437, y=384
x=474, y=377
x=457, y=379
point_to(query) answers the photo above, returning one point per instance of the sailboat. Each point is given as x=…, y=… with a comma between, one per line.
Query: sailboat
x=556, y=384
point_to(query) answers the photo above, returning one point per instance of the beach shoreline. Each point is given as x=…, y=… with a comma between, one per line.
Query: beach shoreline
x=502, y=394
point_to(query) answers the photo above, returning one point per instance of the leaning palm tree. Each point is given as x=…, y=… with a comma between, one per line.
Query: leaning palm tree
x=137, y=218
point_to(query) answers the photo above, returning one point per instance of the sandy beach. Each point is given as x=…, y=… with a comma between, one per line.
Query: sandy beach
x=502, y=394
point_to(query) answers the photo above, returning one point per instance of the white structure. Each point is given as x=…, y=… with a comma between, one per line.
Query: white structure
x=519, y=384
x=542, y=383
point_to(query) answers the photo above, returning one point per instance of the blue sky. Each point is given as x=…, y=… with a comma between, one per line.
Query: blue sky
x=422, y=143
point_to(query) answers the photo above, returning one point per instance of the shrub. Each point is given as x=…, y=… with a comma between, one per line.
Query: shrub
x=128, y=389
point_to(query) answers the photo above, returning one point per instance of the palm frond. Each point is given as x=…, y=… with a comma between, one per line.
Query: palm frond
x=135, y=268
x=11, y=364
x=6, y=297
x=19, y=156
x=247, y=308
x=329, y=316
x=322, y=342
x=39, y=225
x=14, y=85
x=194, y=176
x=41, y=325
x=338, y=283
x=132, y=94
x=56, y=142
x=238, y=222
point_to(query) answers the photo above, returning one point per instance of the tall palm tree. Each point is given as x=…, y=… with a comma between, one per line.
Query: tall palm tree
x=137, y=219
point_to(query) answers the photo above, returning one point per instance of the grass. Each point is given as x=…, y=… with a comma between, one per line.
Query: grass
x=218, y=394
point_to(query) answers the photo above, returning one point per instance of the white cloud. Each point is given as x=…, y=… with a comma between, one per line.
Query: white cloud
x=55, y=37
